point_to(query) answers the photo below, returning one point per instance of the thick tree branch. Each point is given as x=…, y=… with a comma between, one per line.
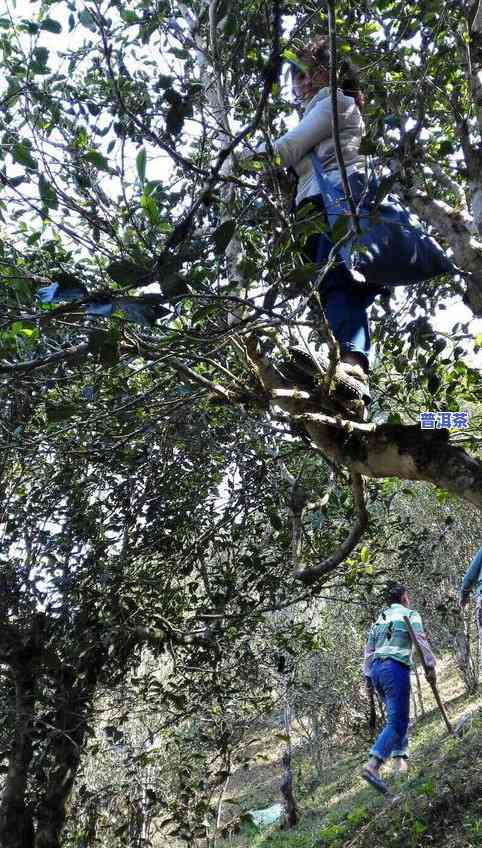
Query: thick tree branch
x=457, y=228
x=42, y=362
x=406, y=452
x=385, y=450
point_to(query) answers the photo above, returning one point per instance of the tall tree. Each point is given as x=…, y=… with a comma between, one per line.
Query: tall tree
x=142, y=315
x=101, y=229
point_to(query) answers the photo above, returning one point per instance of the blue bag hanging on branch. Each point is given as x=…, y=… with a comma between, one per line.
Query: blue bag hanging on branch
x=393, y=248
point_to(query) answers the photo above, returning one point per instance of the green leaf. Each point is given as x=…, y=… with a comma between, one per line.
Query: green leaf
x=21, y=154
x=341, y=228
x=181, y=108
x=223, y=235
x=151, y=209
x=16, y=181
x=141, y=161
x=368, y=147
x=303, y=274
x=445, y=148
x=105, y=346
x=19, y=328
x=51, y=26
x=125, y=272
x=384, y=187
x=419, y=827
x=86, y=18
x=59, y=411
x=97, y=160
x=276, y=520
x=173, y=286
x=47, y=193
x=29, y=26
x=39, y=64
x=129, y=16
x=364, y=554
x=154, y=188
x=164, y=81
x=291, y=57
x=204, y=312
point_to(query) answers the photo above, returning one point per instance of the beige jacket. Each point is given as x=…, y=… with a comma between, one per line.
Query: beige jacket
x=315, y=131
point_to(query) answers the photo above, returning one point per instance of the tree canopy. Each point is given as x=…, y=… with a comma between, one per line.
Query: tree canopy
x=161, y=481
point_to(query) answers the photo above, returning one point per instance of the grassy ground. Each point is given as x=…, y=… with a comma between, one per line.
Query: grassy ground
x=439, y=804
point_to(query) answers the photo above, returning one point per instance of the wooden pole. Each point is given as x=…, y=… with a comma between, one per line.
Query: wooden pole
x=432, y=683
x=372, y=721
x=419, y=690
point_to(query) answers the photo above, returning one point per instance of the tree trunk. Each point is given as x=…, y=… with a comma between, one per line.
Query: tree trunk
x=463, y=657
x=287, y=782
x=384, y=450
x=74, y=702
x=16, y=828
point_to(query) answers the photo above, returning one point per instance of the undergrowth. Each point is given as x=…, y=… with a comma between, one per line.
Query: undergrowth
x=439, y=805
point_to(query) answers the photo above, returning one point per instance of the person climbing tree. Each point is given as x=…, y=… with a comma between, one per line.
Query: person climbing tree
x=388, y=659
x=472, y=576
x=311, y=150
x=344, y=303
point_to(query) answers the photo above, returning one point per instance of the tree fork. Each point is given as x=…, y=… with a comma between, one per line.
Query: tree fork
x=66, y=743
x=16, y=827
x=404, y=451
x=384, y=450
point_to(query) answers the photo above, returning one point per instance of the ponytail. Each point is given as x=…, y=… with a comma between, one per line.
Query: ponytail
x=317, y=53
x=350, y=82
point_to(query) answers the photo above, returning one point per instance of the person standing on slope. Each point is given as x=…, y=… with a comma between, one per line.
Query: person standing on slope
x=388, y=660
x=473, y=576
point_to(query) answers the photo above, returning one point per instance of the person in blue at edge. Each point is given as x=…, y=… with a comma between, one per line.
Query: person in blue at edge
x=473, y=576
x=345, y=303
x=388, y=660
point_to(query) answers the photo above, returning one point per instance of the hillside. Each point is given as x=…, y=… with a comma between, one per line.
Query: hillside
x=438, y=804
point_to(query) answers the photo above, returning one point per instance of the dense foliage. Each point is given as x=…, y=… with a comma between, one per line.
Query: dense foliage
x=158, y=497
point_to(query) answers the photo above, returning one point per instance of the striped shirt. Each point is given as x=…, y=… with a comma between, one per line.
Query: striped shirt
x=389, y=638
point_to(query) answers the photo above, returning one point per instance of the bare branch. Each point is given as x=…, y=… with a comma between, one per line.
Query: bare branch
x=384, y=450
x=334, y=115
x=42, y=362
x=457, y=228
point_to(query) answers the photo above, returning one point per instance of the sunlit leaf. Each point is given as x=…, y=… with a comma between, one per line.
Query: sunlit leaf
x=21, y=153
x=125, y=272
x=47, y=193
x=97, y=160
x=141, y=160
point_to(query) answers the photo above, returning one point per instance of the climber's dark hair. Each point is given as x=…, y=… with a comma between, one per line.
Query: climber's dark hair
x=394, y=593
x=317, y=52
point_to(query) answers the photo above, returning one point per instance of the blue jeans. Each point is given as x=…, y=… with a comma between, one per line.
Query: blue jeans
x=345, y=302
x=392, y=681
